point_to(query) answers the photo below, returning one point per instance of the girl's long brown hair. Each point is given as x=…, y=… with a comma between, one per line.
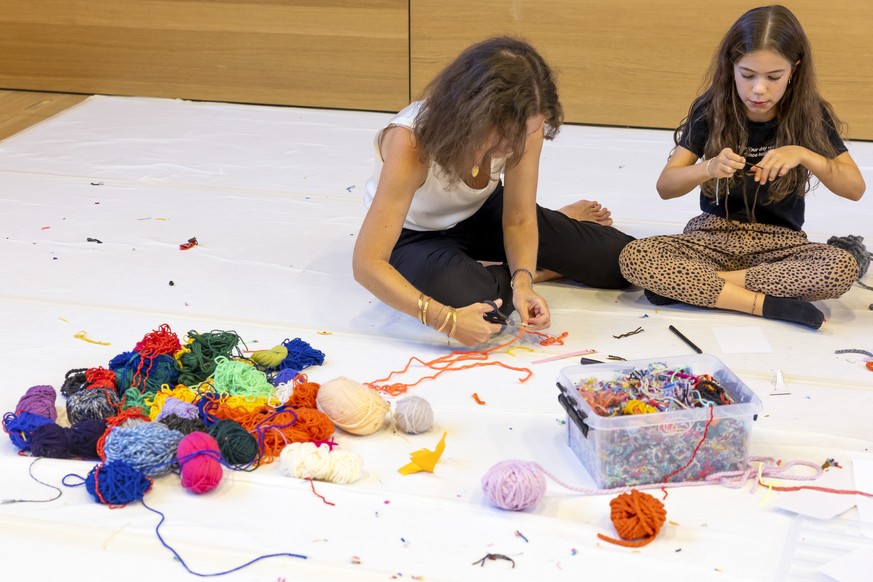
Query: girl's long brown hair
x=799, y=113
x=493, y=86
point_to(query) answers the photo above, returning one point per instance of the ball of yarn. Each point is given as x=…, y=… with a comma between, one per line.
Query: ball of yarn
x=20, y=427
x=179, y=408
x=305, y=461
x=183, y=425
x=198, y=457
x=413, y=415
x=50, y=441
x=150, y=448
x=237, y=446
x=352, y=406
x=84, y=436
x=309, y=461
x=637, y=518
x=39, y=400
x=514, y=485
x=95, y=403
x=116, y=483
x=345, y=467
x=303, y=394
x=854, y=245
x=74, y=380
x=301, y=355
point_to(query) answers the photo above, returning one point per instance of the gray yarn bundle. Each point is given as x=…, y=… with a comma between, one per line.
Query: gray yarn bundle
x=854, y=244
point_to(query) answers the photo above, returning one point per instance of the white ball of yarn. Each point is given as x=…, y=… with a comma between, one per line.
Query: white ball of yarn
x=345, y=467
x=305, y=461
x=413, y=415
x=352, y=406
x=308, y=461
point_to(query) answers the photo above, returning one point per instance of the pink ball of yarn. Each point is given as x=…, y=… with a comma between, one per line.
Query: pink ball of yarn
x=514, y=485
x=199, y=458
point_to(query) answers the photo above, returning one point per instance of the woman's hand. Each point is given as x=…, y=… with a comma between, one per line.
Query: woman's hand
x=725, y=164
x=532, y=309
x=471, y=328
x=777, y=162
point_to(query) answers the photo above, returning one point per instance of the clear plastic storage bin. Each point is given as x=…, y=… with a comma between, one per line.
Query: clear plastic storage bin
x=626, y=450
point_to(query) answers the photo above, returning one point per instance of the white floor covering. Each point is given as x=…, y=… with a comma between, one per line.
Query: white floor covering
x=273, y=196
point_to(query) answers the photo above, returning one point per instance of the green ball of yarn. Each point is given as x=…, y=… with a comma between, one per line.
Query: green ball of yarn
x=237, y=446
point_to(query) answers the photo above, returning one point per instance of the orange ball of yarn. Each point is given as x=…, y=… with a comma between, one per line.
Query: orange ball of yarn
x=637, y=518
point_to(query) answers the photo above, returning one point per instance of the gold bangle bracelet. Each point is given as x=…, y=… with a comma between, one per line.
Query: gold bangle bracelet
x=454, y=315
x=446, y=320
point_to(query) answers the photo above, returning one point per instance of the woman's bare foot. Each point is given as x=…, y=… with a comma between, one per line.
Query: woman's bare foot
x=588, y=211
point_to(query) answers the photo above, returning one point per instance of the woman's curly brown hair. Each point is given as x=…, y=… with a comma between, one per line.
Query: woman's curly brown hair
x=493, y=86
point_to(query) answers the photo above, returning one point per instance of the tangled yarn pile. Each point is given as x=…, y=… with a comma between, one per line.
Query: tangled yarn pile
x=191, y=408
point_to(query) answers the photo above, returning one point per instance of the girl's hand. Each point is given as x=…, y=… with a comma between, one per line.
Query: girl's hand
x=471, y=328
x=777, y=162
x=532, y=309
x=725, y=164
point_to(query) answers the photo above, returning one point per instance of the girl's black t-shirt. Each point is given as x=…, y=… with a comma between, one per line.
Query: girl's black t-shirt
x=745, y=200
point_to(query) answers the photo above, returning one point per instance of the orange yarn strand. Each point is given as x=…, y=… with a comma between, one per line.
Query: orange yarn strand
x=637, y=518
x=448, y=363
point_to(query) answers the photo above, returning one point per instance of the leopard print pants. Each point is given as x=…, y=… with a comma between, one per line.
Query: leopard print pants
x=778, y=261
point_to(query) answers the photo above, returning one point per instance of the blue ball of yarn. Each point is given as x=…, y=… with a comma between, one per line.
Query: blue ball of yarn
x=50, y=441
x=116, y=483
x=145, y=373
x=150, y=447
x=84, y=436
x=300, y=355
x=285, y=375
x=94, y=403
x=20, y=427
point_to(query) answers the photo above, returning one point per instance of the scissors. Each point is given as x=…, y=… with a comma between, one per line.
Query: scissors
x=496, y=316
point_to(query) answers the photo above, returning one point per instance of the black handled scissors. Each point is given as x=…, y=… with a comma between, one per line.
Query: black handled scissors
x=495, y=315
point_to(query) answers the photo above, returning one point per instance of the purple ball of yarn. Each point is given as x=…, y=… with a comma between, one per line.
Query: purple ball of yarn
x=51, y=441
x=39, y=400
x=83, y=438
x=116, y=483
x=514, y=485
x=178, y=408
x=19, y=427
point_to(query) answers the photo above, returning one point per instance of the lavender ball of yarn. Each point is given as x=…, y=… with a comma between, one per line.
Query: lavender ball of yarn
x=39, y=400
x=94, y=403
x=514, y=485
x=180, y=408
x=413, y=415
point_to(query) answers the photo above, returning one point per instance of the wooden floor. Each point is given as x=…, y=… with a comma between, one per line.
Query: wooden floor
x=21, y=109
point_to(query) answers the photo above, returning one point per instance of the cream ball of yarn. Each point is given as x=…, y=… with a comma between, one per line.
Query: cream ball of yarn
x=305, y=461
x=352, y=406
x=413, y=415
x=345, y=467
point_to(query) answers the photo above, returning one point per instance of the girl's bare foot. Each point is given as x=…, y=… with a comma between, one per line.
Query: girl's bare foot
x=588, y=211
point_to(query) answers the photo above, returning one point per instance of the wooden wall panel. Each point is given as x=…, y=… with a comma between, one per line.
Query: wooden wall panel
x=641, y=63
x=320, y=53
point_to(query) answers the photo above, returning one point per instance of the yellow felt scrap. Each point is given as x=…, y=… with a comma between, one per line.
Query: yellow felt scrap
x=424, y=459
